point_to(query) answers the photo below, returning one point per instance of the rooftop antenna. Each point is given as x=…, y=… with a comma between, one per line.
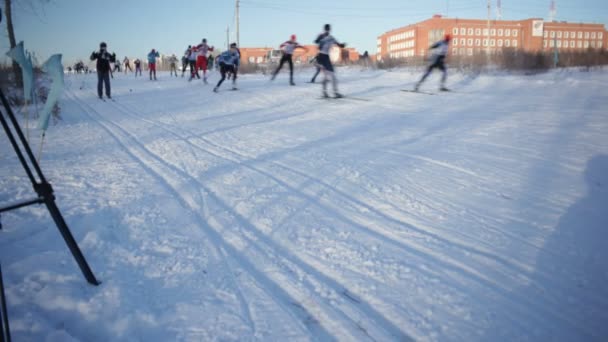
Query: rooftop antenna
x=498, y=10
x=552, y=11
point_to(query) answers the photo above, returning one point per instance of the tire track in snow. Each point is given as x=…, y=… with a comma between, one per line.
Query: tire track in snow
x=291, y=264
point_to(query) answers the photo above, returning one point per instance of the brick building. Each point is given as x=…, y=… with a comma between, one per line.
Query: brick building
x=266, y=54
x=472, y=36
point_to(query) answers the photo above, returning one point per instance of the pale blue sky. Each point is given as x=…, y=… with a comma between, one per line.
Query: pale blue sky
x=133, y=27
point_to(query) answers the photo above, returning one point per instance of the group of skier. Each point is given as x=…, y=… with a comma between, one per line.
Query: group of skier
x=198, y=57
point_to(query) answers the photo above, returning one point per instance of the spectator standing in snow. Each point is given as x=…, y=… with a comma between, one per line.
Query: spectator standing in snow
x=173, y=64
x=152, y=56
x=104, y=58
x=440, y=51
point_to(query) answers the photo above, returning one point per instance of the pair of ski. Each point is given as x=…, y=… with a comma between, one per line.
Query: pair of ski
x=421, y=92
x=343, y=97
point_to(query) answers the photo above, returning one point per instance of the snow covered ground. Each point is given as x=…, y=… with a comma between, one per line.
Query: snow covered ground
x=270, y=214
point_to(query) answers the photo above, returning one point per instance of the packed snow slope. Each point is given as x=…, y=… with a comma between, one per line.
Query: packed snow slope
x=268, y=214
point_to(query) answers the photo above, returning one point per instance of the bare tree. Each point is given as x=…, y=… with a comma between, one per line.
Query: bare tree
x=11, y=37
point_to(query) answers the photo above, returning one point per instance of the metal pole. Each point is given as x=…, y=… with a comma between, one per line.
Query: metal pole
x=44, y=190
x=228, y=37
x=238, y=32
x=4, y=312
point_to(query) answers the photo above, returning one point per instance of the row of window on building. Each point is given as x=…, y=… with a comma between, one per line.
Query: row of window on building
x=402, y=36
x=403, y=54
x=400, y=46
x=573, y=44
x=574, y=35
x=484, y=32
x=484, y=42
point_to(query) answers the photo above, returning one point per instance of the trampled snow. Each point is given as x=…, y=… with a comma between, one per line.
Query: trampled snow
x=270, y=214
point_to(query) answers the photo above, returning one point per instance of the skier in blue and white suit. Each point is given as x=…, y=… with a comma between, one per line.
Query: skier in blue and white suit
x=228, y=62
x=440, y=52
x=325, y=41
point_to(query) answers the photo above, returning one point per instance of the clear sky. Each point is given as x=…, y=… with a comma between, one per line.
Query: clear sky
x=134, y=27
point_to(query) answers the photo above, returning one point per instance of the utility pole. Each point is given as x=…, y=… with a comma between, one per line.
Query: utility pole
x=498, y=10
x=238, y=32
x=488, y=35
x=552, y=11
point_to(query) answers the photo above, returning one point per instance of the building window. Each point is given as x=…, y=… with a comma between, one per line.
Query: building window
x=552, y=43
x=579, y=44
x=492, y=42
x=559, y=43
x=478, y=32
x=493, y=32
x=572, y=35
x=600, y=45
x=455, y=42
x=580, y=35
x=477, y=42
x=470, y=42
x=559, y=34
x=500, y=42
x=501, y=32
x=514, y=44
x=552, y=34
x=455, y=31
x=586, y=35
x=572, y=44
x=592, y=35
x=600, y=35
x=586, y=44
x=546, y=34
x=485, y=32
x=566, y=34
x=463, y=31
x=508, y=33
x=252, y=60
x=485, y=42
x=463, y=42
x=566, y=44
x=470, y=31
x=507, y=43
x=454, y=52
x=545, y=44
x=593, y=44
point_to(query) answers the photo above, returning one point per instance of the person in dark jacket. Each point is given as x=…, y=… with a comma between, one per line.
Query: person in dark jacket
x=104, y=58
x=228, y=62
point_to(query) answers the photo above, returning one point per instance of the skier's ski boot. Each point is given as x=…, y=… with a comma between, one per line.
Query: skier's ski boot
x=416, y=87
x=338, y=96
x=205, y=80
x=325, y=95
x=291, y=83
x=215, y=90
x=443, y=88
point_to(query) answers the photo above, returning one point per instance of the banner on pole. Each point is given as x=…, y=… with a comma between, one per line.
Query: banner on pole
x=54, y=69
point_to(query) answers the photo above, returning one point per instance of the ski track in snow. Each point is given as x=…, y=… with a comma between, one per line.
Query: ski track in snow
x=266, y=214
